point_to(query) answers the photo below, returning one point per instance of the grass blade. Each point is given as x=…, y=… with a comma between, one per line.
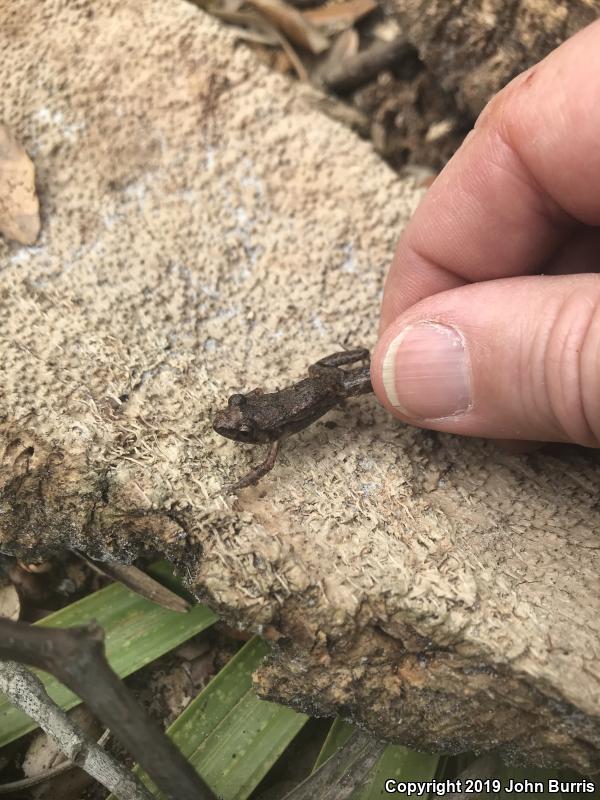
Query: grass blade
x=344, y=774
x=401, y=764
x=137, y=632
x=396, y=762
x=338, y=735
x=230, y=736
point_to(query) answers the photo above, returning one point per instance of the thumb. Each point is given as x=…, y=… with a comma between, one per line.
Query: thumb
x=516, y=358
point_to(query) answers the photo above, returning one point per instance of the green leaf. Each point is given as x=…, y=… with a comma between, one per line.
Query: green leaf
x=338, y=735
x=344, y=773
x=401, y=764
x=162, y=571
x=137, y=632
x=397, y=762
x=230, y=736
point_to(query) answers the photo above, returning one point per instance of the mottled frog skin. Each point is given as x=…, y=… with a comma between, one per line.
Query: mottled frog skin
x=259, y=418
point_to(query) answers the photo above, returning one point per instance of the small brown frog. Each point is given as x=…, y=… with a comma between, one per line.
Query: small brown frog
x=259, y=418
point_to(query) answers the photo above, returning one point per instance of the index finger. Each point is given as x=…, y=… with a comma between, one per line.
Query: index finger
x=524, y=178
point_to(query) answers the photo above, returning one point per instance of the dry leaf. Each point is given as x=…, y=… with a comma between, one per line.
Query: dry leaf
x=19, y=207
x=139, y=582
x=43, y=756
x=230, y=5
x=342, y=112
x=256, y=37
x=387, y=30
x=294, y=58
x=254, y=27
x=34, y=590
x=42, y=567
x=345, y=46
x=293, y=24
x=340, y=15
x=439, y=130
x=10, y=605
x=193, y=648
x=282, y=62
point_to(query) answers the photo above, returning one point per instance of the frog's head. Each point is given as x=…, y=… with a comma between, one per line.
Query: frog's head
x=237, y=421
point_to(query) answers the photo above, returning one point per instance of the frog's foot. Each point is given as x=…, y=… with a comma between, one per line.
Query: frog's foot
x=333, y=362
x=259, y=471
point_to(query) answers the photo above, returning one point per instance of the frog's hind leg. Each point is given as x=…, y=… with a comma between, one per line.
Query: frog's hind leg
x=259, y=471
x=332, y=363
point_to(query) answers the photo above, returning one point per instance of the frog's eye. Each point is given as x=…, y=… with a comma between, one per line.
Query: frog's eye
x=244, y=429
x=236, y=401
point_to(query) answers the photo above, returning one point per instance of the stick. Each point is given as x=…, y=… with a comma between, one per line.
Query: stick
x=52, y=772
x=76, y=657
x=353, y=72
x=26, y=691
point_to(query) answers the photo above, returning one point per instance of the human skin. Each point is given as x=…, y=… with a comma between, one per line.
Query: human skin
x=490, y=322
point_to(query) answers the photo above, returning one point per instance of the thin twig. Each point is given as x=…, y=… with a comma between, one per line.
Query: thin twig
x=26, y=691
x=275, y=36
x=287, y=48
x=341, y=112
x=292, y=55
x=353, y=72
x=76, y=657
x=247, y=35
x=304, y=3
x=245, y=20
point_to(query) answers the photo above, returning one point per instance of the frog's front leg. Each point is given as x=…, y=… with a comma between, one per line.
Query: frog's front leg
x=332, y=363
x=259, y=471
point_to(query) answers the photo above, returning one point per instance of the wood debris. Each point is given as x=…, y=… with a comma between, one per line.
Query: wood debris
x=19, y=207
x=345, y=46
x=370, y=75
x=353, y=72
x=293, y=24
x=138, y=581
x=10, y=604
x=26, y=691
x=340, y=15
x=76, y=656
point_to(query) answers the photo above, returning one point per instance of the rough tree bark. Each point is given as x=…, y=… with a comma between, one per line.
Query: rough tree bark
x=206, y=230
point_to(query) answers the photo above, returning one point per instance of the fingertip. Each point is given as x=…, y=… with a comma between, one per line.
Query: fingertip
x=425, y=371
x=508, y=359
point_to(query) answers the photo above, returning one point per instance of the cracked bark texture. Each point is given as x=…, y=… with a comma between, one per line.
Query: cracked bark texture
x=475, y=47
x=206, y=230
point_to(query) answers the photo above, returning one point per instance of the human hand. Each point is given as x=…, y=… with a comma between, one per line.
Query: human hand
x=490, y=324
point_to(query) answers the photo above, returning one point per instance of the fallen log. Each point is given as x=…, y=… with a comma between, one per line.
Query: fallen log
x=206, y=230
